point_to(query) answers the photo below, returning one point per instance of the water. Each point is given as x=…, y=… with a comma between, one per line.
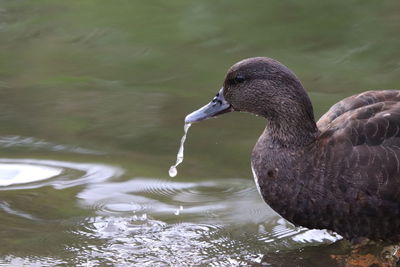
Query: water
x=179, y=157
x=92, y=98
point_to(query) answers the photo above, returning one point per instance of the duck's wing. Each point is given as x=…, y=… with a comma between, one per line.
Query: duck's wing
x=355, y=102
x=360, y=137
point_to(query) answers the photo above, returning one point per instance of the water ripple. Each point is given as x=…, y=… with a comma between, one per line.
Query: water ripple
x=31, y=143
x=158, y=222
x=33, y=173
x=285, y=233
x=228, y=200
x=145, y=241
x=8, y=209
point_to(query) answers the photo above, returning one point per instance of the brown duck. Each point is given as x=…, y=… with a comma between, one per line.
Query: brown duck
x=341, y=173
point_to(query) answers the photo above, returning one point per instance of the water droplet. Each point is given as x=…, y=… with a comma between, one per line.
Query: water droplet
x=178, y=211
x=179, y=157
x=172, y=171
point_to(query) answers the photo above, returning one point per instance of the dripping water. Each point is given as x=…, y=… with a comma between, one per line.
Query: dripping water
x=179, y=157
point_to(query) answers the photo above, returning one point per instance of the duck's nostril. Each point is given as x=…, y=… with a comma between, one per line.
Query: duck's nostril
x=216, y=107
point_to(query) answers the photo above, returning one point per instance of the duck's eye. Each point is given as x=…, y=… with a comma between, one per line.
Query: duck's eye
x=239, y=78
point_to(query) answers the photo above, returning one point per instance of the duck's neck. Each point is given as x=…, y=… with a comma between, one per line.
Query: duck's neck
x=294, y=130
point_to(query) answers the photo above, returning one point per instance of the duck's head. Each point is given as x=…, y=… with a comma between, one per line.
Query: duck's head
x=259, y=85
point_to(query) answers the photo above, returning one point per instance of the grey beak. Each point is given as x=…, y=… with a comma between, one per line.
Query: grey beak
x=216, y=107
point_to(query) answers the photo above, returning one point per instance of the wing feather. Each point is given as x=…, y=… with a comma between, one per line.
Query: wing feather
x=363, y=133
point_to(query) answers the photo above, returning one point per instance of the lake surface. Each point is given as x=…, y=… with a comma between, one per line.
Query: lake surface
x=92, y=100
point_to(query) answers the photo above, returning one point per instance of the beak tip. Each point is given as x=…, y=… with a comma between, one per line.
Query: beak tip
x=191, y=118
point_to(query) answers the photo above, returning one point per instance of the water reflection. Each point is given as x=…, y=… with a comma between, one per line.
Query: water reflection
x=8, y=209
x=11, y=260
x=24, y=173
x=227, y=199
x=35, y=173
x=148, y=242
x=152, y=221
x=215, y=222
x=128, y=239
x=31, y=143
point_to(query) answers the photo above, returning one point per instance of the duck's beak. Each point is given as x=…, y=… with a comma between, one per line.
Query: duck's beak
x=216, y=107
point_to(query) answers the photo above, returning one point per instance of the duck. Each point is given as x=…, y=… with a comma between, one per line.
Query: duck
x=341, y=173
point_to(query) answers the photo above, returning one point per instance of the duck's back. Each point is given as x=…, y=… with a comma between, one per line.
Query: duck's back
x=359, y=149
x=342, y=110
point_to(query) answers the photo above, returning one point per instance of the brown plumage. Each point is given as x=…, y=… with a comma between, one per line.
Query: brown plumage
x=341, y=173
